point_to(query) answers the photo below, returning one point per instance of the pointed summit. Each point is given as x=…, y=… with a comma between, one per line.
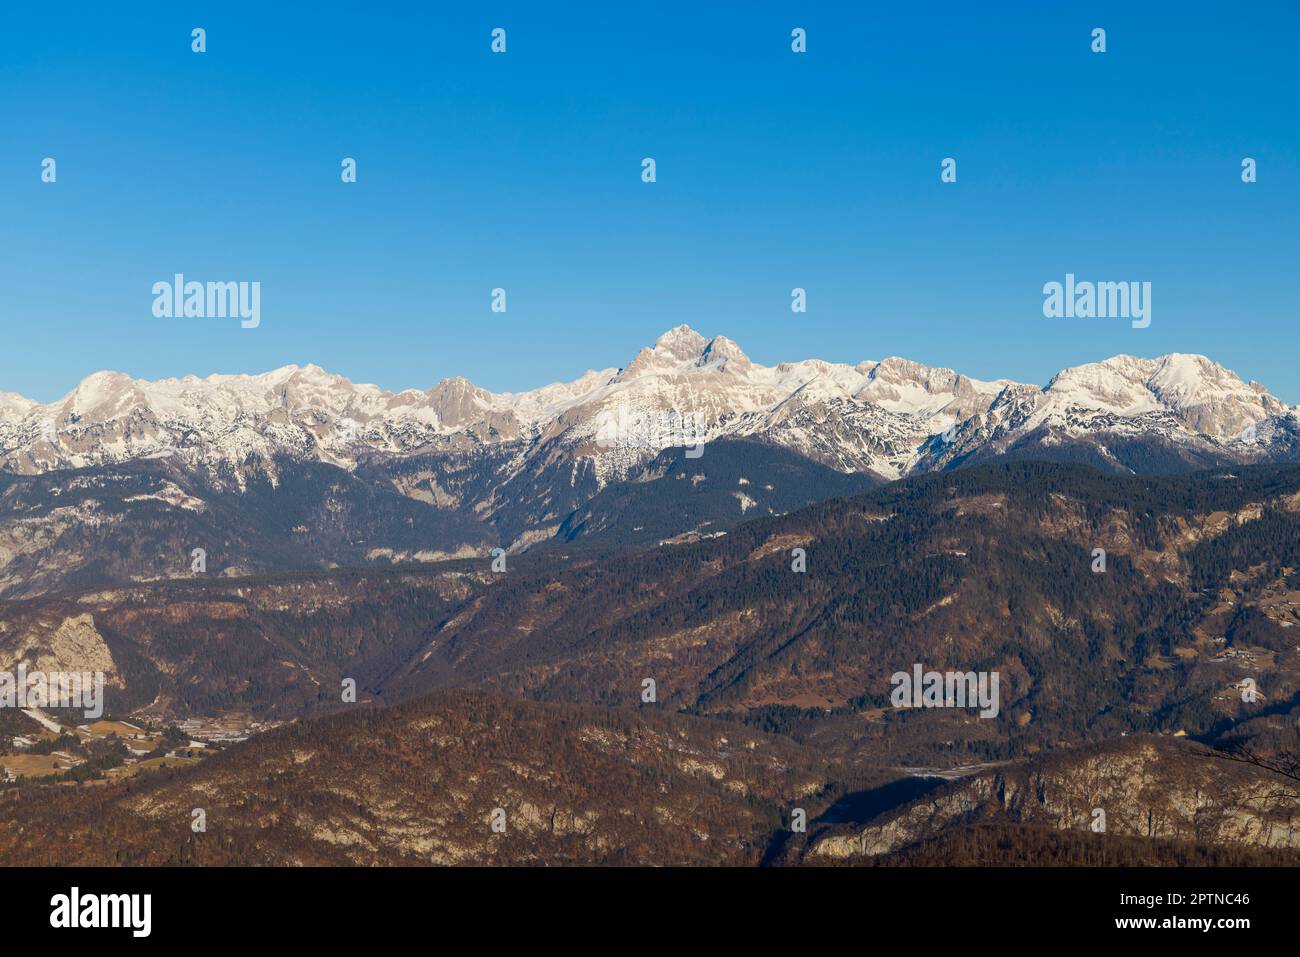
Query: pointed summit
x=725, y=354
x=679, y=346
x=682, y=342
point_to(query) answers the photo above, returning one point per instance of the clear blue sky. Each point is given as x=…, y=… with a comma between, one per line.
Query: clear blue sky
x=775, y=170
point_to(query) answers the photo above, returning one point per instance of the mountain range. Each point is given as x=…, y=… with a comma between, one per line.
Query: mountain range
x=892, y=417
x=767, y=545
x=122, y=478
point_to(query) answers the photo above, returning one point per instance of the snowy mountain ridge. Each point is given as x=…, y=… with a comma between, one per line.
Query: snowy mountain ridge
x=890, y=417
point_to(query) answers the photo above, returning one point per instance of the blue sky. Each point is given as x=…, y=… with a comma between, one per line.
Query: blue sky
x=522, y=170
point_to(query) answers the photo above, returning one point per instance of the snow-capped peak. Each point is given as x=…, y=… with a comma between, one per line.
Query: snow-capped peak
x=1202, y=394
x=880, y=416
x=681, y=341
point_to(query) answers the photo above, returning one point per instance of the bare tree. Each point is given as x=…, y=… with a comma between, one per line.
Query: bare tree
x=1284, y=764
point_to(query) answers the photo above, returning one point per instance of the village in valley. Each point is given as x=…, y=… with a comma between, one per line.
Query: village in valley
x=54, y=747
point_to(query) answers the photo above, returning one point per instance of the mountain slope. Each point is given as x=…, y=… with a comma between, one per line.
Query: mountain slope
x=991, y=568
x=1147, y=787
x=984, y=569
x=418, y=784
x=988, y=569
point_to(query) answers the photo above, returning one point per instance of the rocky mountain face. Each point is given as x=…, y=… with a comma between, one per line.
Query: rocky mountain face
x=1148, y=787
